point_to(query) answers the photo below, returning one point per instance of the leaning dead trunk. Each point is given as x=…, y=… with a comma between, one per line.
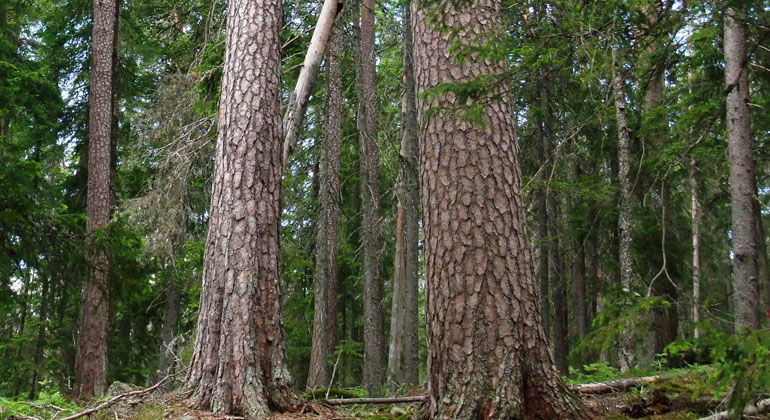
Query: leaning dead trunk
x=238, y=362
x=487, y=351
x=295, y=109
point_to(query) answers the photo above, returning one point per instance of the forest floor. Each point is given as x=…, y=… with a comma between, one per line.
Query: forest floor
x=678, y=397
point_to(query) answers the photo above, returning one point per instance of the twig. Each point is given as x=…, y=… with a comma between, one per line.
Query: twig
x=117, y=398
x=334, y=370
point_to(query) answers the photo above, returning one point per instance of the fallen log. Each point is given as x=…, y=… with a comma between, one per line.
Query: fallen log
x=117, y=398
x=390, y=400
x=762, y=407
x=617, y=385
x=592, y=388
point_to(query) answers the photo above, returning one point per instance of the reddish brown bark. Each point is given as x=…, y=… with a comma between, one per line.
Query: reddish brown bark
x=488, y=354
x=91, y=371
x=238, y=363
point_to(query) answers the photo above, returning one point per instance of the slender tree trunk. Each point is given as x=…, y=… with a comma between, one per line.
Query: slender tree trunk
x=488, y=352
x=238, y=364
x=167, y=359
x=627, y=352
x=325, y=283
x=665, y=319
x=37, y=361
x=91, y=372
x=696, y=219
x=559, y=282
x=743, y=181
x=295, y=109
x=403, y=348
x=582, y=299
x=374, y=328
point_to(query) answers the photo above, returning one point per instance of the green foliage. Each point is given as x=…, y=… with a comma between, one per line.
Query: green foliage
x=741, y=365
x=48, y=405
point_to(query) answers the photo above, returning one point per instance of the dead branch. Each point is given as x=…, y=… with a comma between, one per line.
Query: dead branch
x=592, y=388
x=117, y=398
x=752, y=410
x=617, y=385
x=391, y=400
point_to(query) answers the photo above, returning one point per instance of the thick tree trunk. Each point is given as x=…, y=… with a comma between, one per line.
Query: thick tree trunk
x=626, y=351
x=696, y=219
x=91, y=372
x=403, y=347
x=743, y=181
x=325, y=282
x=295, y=108
x=488, y=353
x=238, y=362
x=374, y=327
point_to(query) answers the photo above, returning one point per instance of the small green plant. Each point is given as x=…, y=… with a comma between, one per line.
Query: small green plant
x=593, y=372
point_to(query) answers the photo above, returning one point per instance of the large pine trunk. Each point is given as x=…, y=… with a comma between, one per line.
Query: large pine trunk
x=327, y=245
x=238, y=362
x=743, y=181
x=488, y=353
x=403, y=347
x=91, y=372
x=374, y=320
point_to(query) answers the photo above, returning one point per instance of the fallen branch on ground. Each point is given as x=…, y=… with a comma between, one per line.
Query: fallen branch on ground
x=592, y=388
x=117, y=398
x=617, y=385
x=752, y=410
x=391, y=400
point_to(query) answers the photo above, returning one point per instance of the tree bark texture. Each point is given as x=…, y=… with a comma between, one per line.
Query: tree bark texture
x=582, y=321
x=695, y=215
x=488, y=352
x=374, y=322
x=743, y=181
x=238, y=364
x=327, y=243
x=295, y=109
x=91, y=371
x=403, y=347
x=626, y=351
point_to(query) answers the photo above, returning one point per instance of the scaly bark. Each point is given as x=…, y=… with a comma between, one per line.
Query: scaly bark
x=91, y=371
x=743, y=181
x=327, y=243
x=374, y=323
x=403, y=346
x=488, y=353
x=238, y=362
